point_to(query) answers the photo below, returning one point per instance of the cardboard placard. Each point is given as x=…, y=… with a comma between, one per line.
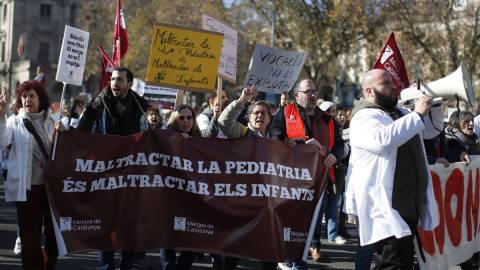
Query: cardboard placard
x=71, y=64
x=273, y=70
x=184, y=58
x=227, y=68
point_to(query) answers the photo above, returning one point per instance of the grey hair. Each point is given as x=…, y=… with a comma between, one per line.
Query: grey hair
x=296, y=88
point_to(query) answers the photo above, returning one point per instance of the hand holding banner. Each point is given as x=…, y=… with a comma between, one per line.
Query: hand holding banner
x=209, y=195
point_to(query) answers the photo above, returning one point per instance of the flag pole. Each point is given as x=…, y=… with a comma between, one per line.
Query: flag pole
x=119, y=51
x=59, y=119
x=119, y=23
x=219, y=92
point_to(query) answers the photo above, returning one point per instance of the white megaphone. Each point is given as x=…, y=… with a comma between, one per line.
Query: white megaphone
x=455, y=86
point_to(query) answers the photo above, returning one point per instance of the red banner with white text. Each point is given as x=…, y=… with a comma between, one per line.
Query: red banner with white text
x=250, y=198
x=457, y=237
x=391, y=60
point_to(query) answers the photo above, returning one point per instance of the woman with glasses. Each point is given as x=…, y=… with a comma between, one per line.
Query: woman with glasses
x=259, y=116
x=183, y=120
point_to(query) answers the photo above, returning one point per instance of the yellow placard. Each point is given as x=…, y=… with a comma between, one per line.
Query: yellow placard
x=184, y=58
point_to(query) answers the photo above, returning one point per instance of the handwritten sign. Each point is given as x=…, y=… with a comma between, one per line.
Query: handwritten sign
x=227, y=68
x=184, y=58
x=273, y=70
x=71, y=64
x=160, y=97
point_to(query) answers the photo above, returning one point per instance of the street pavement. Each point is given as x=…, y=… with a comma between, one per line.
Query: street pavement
x=335, y=256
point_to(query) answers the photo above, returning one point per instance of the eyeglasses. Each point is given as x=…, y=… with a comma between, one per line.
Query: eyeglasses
x=189, y=117
x=309, y=92
x=262, y=113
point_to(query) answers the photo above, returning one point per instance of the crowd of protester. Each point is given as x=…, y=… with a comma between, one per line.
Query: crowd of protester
x=120, y=111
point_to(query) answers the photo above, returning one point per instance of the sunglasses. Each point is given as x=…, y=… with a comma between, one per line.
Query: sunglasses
x=189, y=117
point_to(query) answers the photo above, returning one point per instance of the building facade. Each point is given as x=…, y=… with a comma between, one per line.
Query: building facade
x=31, y=35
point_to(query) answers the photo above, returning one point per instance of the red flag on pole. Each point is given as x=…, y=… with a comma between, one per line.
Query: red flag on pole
x=391, y=60
x=119, y=37
x=107, y=68
x=41, y=76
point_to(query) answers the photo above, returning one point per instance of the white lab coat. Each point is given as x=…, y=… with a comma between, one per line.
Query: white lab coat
x=374, y=139
x=20, y=161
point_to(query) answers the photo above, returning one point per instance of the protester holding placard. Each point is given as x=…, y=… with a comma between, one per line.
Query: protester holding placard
x=303, y=122
x=388, y=185
x=117, y=110
x=259, y=116
x=208, y=119
x=30, y=133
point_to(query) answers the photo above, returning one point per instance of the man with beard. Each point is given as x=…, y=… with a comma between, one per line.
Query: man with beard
x=208, y=120
x=117, y=110
x=304, y=122
x=388, y=183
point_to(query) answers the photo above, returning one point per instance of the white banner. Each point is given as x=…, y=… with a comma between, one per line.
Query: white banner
x=457, y=237
x=71, y=64
x=273, y=70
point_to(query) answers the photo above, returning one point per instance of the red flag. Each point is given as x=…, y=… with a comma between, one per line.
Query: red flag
x=119, y=36
x=107, y=67
x=391, y=60
x=41, y=76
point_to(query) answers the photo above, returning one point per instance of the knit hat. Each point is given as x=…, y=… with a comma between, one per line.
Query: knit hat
x=326, y=105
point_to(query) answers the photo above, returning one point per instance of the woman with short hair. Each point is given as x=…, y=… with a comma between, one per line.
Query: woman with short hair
x=30, y=133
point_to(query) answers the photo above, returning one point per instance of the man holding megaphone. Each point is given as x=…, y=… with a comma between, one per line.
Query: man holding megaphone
x=388, y=183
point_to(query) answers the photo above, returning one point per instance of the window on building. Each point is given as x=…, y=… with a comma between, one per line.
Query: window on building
x=45, y=11
x=43, y=49
x=3, y=51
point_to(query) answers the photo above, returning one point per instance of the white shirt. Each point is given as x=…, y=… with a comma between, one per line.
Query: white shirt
x=374, y=139
x=203, y=123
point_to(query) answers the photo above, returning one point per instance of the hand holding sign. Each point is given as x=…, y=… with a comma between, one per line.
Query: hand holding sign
x=248, y=94
x=3, y=103
x=216, y=109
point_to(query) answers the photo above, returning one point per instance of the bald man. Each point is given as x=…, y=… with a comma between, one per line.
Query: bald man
x=388, y=183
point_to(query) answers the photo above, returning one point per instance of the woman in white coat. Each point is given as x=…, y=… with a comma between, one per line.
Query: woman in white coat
x=25, y=183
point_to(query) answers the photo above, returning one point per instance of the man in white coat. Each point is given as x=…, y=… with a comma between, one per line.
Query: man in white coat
x=388, y=183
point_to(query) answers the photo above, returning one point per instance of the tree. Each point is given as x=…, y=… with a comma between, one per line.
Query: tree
x=439, y=37
x=98, y=18
x=331, y=31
